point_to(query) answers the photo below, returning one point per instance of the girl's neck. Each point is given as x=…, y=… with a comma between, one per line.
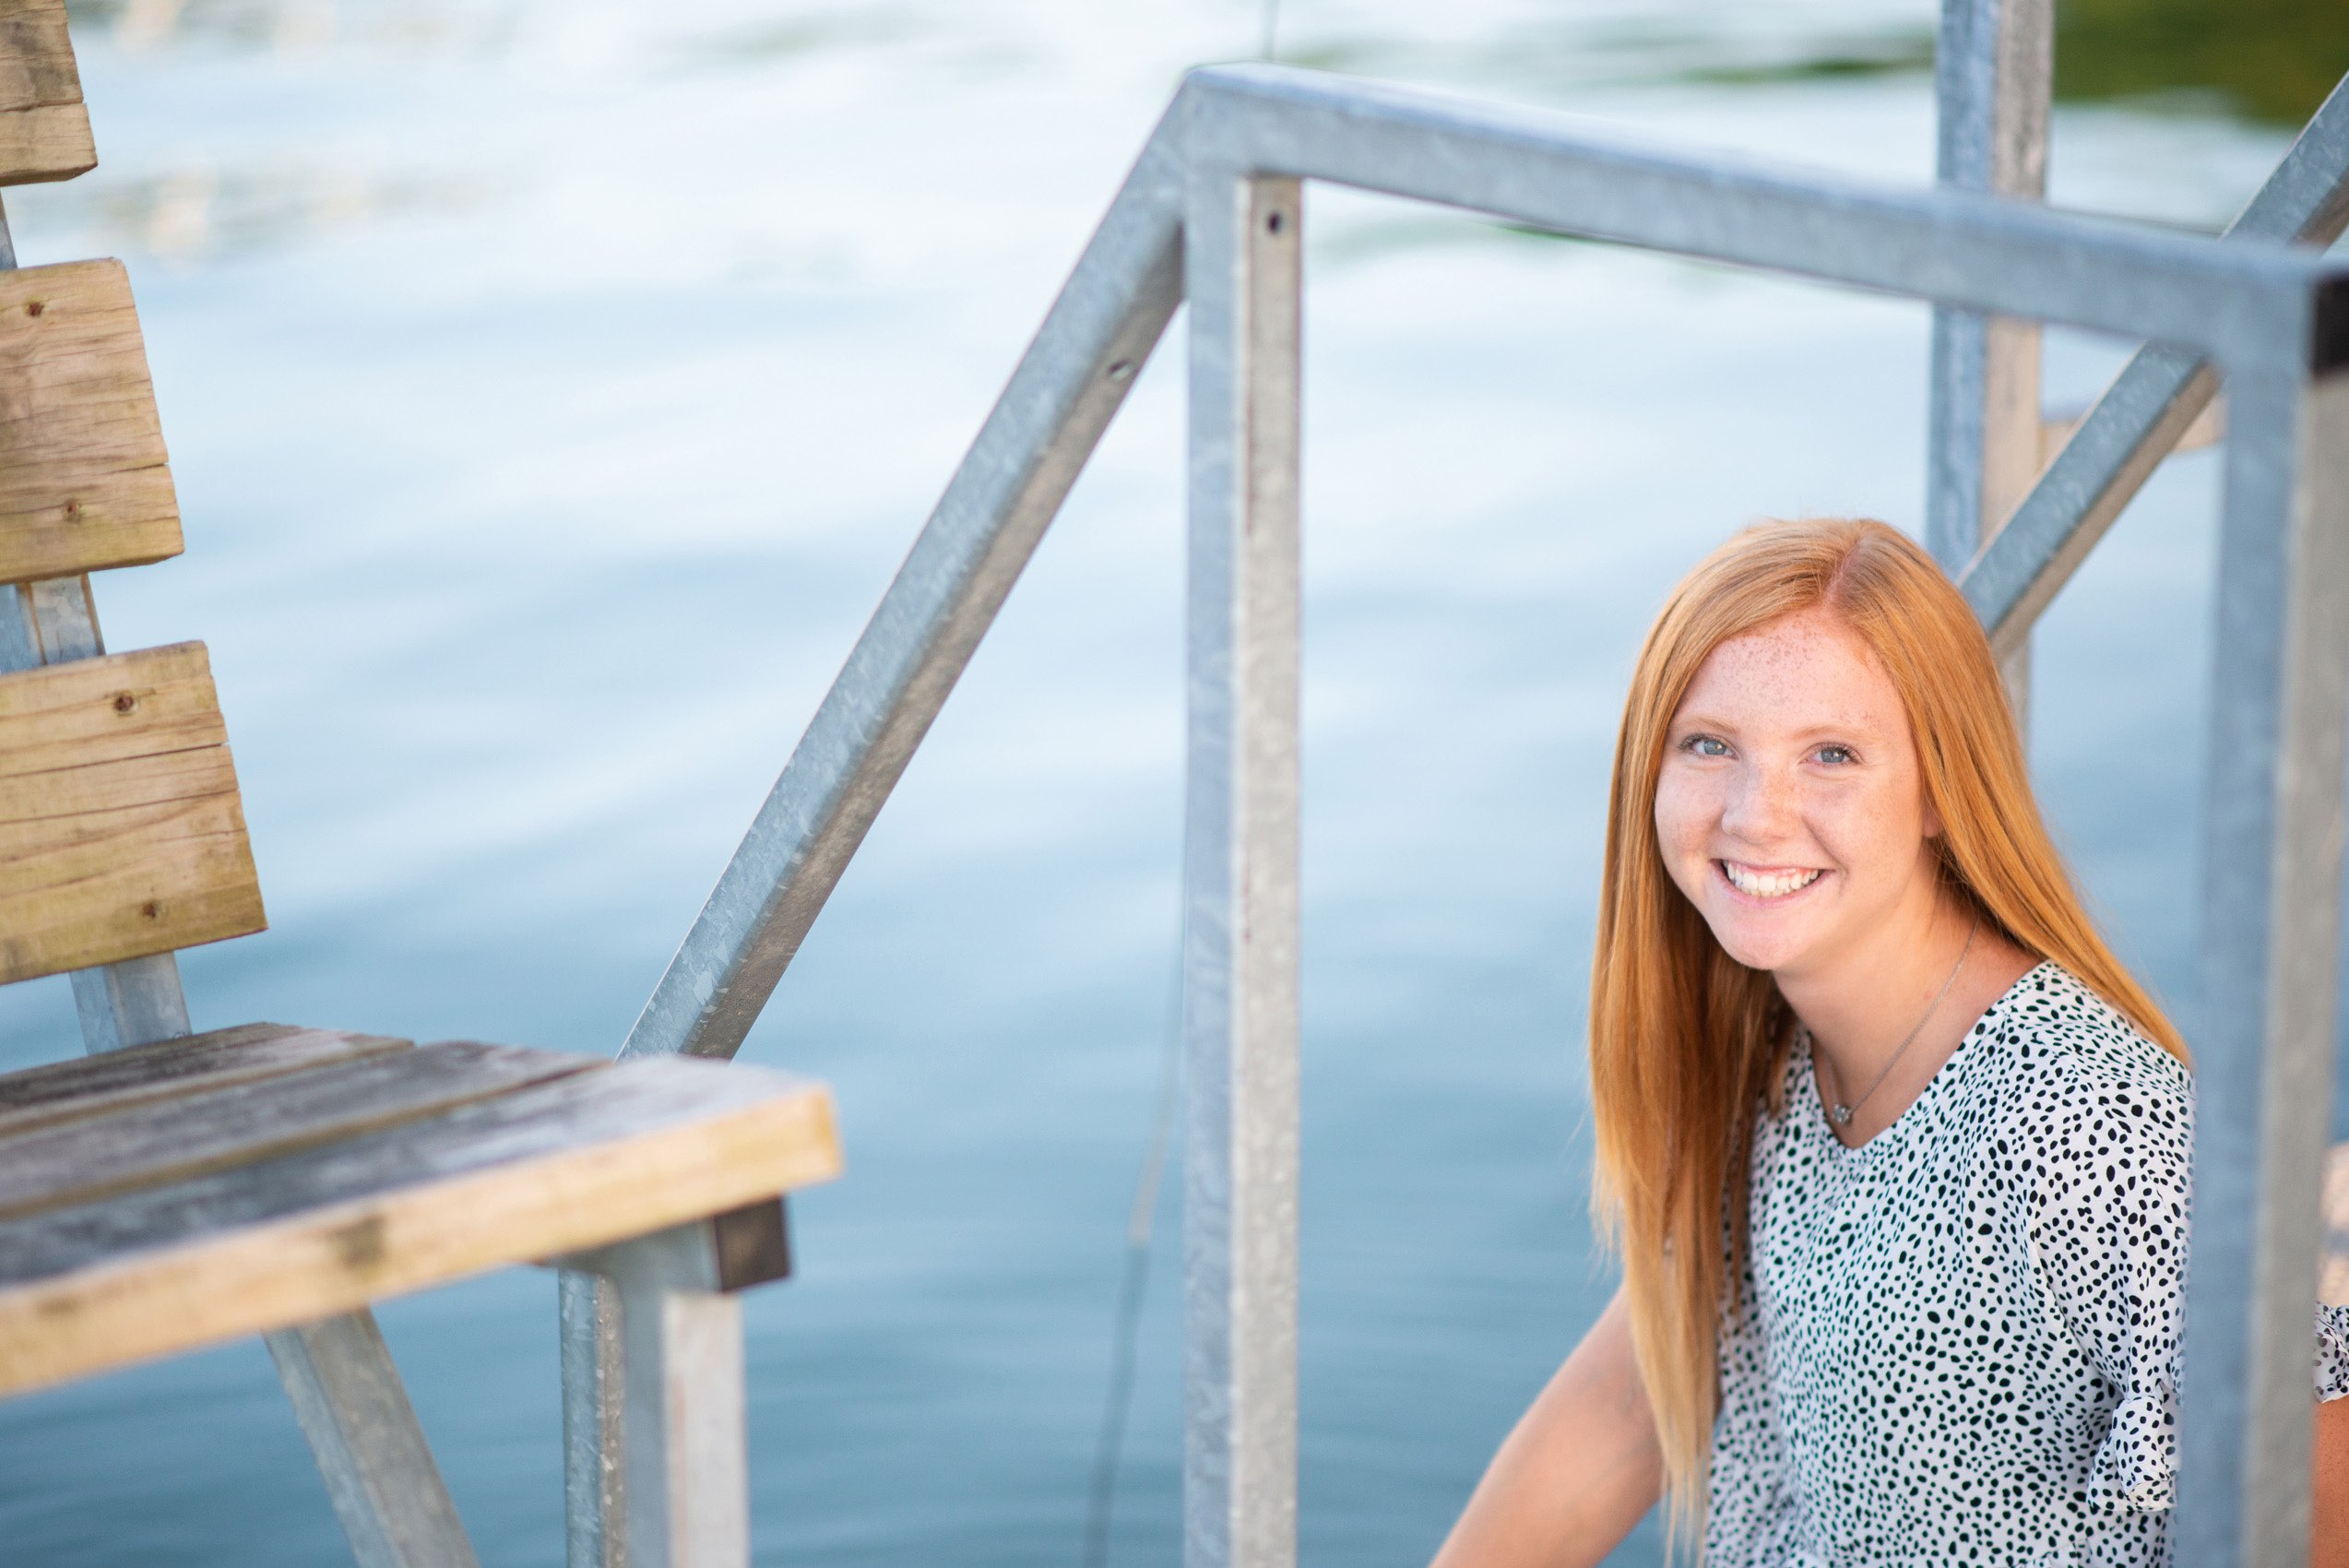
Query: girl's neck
x=1903, y=983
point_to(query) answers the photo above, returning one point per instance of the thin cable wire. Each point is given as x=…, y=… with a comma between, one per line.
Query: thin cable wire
x=1140, y=1225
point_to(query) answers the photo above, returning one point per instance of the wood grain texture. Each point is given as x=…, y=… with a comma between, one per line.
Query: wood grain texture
x=116, y=1080
x=44, y=129
x=121, y=833
x=219, y=1128
x=558, y=1166
x=84, y=482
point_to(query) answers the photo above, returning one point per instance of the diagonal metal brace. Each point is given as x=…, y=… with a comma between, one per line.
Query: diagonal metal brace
x=379, y=1473
x=1108, y=317
x=2150, y=405
x=1068, y=386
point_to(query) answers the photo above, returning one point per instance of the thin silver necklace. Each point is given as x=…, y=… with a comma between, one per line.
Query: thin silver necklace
x=1842, y=1114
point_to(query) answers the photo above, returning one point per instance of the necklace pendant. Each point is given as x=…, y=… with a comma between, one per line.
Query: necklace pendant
x=1843, y=1115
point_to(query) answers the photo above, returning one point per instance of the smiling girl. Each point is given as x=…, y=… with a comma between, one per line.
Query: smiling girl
x=1893, y=1150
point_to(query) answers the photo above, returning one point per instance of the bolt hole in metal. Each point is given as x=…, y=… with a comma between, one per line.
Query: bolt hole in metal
x=1273, y=224
x=1121, y=371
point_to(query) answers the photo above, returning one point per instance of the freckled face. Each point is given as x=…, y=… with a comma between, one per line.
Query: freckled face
x=1789, y=808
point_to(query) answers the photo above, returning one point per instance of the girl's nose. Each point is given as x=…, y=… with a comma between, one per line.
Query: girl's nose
x=1760, y=805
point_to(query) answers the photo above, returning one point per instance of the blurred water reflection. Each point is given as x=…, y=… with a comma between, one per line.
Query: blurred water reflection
x=552, y=388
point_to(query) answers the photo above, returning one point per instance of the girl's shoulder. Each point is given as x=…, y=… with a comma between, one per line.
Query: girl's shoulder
x=2071, y=1063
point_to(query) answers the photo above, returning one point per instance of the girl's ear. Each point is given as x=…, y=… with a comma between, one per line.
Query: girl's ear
x=1932, y=820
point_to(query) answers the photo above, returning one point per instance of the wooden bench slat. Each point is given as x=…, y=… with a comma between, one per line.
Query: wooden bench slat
x=149, y=703
x=44, y=129
x=36, y=55
x=52, y=142
x=90, y=1085
x=84, y=484
x=121, y=831
x=221, y=1127
x=554, y=1168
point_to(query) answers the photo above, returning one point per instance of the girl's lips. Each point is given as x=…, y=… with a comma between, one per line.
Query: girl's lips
x=1767, y=885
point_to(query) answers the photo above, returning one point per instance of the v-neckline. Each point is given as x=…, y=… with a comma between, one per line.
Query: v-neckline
x=1980, y=1029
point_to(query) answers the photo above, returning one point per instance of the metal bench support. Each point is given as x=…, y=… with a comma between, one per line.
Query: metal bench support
x=353, y=1410
x=672, y=1376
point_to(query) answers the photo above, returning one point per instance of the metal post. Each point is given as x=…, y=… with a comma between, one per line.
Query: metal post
x=1993, y=67
x=2271, y=899
x=687, y=1470
x=595, y=1481
x=136, y=1002
x=676, y=1363
x=1241, y=243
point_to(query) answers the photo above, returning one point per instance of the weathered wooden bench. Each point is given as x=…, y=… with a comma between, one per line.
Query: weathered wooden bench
x=172, y=1190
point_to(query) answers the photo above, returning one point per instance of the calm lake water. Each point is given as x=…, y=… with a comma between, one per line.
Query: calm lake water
x=554, y=388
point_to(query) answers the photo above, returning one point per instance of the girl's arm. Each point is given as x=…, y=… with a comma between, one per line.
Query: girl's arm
x=1579, y=1471
x=2328, y=1526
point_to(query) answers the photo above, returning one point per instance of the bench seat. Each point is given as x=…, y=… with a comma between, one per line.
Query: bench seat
x=174, y=1195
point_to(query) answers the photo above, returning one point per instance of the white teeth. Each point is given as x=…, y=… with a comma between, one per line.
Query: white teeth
x=1767, y=884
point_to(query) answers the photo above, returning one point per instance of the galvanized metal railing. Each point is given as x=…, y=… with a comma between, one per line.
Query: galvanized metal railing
x=1211, y=214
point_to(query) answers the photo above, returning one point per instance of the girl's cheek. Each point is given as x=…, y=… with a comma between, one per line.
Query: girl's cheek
x=1683, y=835
x=1678, y=819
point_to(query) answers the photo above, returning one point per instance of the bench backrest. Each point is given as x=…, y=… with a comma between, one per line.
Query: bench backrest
x=121, y=831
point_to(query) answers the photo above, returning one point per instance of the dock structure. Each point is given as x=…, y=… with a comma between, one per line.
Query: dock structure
x=1211, y=215
x=170, y=1190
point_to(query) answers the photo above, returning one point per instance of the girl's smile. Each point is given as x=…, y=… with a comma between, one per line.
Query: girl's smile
x=1772, y=884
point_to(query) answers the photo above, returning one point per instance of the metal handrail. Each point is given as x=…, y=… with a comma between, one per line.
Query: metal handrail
x=1210, y=214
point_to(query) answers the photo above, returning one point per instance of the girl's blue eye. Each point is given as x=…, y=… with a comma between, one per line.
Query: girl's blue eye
x=1837, y=754
x=1705, y=745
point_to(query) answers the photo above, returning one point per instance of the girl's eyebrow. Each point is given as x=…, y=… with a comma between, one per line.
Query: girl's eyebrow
x=1699, y=721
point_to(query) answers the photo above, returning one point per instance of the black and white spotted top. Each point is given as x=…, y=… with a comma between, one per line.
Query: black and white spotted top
x=1959, y=1343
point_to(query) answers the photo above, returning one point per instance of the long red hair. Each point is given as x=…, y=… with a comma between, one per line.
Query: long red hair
x=1686, y=1043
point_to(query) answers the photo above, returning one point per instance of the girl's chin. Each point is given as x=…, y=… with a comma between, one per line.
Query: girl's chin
x=1771, y=950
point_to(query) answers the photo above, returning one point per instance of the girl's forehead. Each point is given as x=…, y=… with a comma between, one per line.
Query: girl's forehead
x=1808, y=666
